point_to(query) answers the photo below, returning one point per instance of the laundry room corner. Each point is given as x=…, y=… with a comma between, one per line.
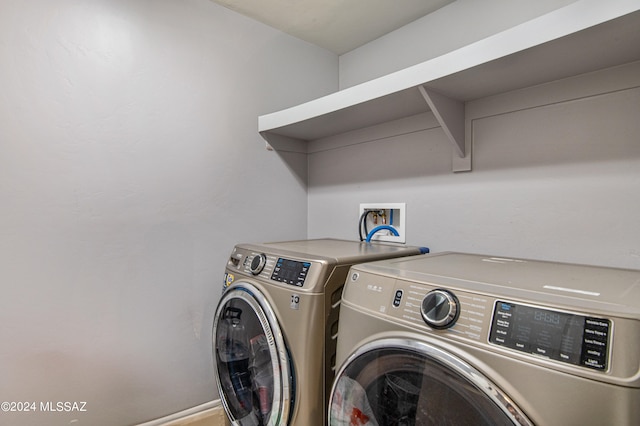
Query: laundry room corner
x=220, y=212
x=130, y=165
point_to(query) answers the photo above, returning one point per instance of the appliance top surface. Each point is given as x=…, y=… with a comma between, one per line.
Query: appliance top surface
x=590, y=287
x=333, y=251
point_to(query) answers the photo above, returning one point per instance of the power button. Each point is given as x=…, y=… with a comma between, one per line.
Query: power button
x=397, y=298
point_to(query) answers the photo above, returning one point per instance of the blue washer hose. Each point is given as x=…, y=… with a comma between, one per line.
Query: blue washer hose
x=423, y=250
x=381, y=228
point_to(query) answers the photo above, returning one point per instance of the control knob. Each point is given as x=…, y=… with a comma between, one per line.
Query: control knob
x=258, y=263
x=440, y=309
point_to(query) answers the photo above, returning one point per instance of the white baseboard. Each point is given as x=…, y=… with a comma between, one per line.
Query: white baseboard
x=207, y=414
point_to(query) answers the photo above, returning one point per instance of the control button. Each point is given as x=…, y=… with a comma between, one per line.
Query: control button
x=595, y=363
x=596, y=334
x=541, y=351
x=595, y=342
x=397, y=299
x=595, y=353
x=503, y=323
x=440, y=309
x=595, y=322
x=258, y=263
x=522, y=346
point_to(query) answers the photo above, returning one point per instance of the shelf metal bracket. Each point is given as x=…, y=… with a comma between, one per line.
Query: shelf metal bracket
x=450, y=115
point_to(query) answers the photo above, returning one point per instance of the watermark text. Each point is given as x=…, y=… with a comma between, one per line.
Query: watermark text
x=43, y=406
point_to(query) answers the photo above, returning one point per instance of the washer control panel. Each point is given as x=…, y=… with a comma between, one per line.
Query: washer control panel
x=571, y=338
x=290, y=271
x=270, y=267
x=561, y=336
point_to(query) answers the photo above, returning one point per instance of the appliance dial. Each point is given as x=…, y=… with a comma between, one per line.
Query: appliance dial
x=440, y=309
x=258, y=263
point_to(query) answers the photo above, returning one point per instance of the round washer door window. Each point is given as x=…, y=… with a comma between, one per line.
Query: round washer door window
x=406, y=383
x=252, y=362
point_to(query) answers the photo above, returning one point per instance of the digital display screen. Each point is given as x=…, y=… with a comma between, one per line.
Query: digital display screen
x=290, y=272
x=561, y=336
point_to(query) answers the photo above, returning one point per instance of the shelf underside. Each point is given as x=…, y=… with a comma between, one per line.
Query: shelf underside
x=602, y=46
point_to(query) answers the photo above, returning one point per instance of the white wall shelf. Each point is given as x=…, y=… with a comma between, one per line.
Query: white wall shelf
x=584, y=36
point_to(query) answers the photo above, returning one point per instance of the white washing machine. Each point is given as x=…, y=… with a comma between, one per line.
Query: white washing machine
x=460, y=339
x=276, y=326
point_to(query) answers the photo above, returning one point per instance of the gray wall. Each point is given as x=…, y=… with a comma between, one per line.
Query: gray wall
x=556, y=168
x=130, y=165
x=556, y=175
x=451, y=27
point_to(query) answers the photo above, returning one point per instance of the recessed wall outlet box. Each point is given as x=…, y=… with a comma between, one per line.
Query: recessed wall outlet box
x=384, y=214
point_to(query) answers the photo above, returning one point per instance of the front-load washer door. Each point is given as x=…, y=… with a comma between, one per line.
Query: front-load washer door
x=407, y=382
x=252, y=361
